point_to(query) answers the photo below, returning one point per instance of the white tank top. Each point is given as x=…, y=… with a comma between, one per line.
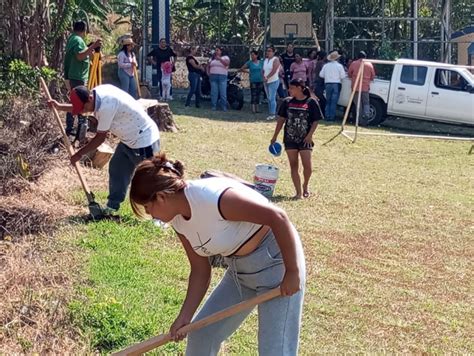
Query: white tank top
x=207, y=231
x=267, y=69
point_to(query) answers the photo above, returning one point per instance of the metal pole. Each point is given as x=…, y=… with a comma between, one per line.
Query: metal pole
x=265, y=27
x=415, y=28
x=330, y=26
x=448, y=29
x=144, y=44
x=219, y=23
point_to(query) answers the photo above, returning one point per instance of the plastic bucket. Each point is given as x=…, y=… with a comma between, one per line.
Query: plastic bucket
x=265, y=179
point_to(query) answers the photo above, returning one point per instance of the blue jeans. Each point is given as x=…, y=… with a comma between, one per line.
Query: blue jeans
x=127, y=83
x=271, y=89
x=279, y=319
x=194, y=88
x=332, y=96
x=282, y=93
x=121, y=169
x=218, y=90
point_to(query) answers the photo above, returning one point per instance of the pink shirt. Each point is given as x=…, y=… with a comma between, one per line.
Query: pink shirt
x=369, y=74
x=217, y=67
x=299, y=71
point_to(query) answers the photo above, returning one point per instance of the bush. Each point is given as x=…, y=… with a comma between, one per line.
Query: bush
x=19, y=79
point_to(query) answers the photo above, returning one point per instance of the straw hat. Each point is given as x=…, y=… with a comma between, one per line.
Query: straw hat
x=333, y=56
x=127, y=41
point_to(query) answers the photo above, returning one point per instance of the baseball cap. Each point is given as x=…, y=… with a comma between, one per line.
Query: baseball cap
x=78, y=97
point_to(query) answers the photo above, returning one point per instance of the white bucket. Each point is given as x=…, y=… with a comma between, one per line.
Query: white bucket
x=265, y=179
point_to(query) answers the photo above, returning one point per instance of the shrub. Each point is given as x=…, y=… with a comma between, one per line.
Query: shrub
x=20, y=79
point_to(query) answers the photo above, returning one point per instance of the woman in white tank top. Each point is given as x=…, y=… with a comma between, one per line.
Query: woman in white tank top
x=271, y=66
x=221, y=216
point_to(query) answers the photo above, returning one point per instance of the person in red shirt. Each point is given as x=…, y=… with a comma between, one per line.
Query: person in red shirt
x=369, y=75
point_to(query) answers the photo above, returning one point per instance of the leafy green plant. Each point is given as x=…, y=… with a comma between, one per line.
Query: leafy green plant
x=18, y=78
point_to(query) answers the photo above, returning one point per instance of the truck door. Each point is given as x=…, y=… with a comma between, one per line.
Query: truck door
x=449, y=98
x=410, y=91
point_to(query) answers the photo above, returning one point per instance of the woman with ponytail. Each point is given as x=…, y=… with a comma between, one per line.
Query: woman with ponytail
x=299, y=113
x=260, y=246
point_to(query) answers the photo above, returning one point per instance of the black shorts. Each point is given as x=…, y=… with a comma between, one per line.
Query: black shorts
x=300, y=146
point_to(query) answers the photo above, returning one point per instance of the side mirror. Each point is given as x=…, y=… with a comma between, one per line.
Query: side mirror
x=470, y=88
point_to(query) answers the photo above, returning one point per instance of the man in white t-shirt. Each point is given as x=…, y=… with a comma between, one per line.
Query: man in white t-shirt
x=119, y=113
x=333, y=72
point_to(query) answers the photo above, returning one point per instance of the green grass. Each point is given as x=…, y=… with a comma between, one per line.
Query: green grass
x=388, y=237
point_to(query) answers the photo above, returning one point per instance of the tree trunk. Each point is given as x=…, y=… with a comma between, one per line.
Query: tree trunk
x=161, y=114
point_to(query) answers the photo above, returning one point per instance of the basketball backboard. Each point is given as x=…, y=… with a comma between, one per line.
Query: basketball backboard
x=291, y=25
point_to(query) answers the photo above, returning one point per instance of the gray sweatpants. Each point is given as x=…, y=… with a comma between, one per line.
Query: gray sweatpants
x=279, y=320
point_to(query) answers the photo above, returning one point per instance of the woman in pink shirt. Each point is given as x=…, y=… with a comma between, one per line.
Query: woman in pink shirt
x=298, y=69
x=217, y=69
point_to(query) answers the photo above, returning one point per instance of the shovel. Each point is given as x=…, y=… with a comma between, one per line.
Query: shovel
x=163, y=339
x=94, y=208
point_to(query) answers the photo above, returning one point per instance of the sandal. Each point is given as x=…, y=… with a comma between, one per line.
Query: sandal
x=306, y=194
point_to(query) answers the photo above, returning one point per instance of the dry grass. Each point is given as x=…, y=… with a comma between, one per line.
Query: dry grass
x=36, y=279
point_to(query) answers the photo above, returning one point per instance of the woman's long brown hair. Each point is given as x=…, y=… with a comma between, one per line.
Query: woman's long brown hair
x=152, y=176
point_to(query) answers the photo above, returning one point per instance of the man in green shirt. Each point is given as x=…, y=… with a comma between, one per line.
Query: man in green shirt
x=76, y=64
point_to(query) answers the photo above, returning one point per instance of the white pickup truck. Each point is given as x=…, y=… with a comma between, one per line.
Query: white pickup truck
x=420, y=90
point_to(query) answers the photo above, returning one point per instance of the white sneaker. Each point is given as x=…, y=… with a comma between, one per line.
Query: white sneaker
x=160, y=224
x=170, y=98
x=271, y=117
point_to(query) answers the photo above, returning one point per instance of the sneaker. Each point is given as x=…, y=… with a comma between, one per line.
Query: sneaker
x=160, y=224
x=108, y=211
x=271, y=117
x=170, y=98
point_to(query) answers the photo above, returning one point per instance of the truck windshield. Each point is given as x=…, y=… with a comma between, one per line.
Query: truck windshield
x=468, y=74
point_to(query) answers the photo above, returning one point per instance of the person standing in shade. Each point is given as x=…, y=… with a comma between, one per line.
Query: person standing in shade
x=271, y=66
x=298, y=68
x=288, y=58
x=310, y=64
x=194, y=76
x=318, y=81
x=255, y=68
x=369, y=76
x=127, y=64
x=218, y=68
x=76, y=65
x=117, y=112
x=332, y=73
x=163, y=53
x=300, y=114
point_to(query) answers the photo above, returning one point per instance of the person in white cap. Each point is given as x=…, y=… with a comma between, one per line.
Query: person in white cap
x=332, y=73
x=127, y=64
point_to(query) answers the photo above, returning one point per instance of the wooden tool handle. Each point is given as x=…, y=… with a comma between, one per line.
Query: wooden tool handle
x=85, y=186
x=163, y=339
x=135, y=74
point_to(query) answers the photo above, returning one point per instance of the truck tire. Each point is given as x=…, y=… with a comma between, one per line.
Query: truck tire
x=377, y=112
